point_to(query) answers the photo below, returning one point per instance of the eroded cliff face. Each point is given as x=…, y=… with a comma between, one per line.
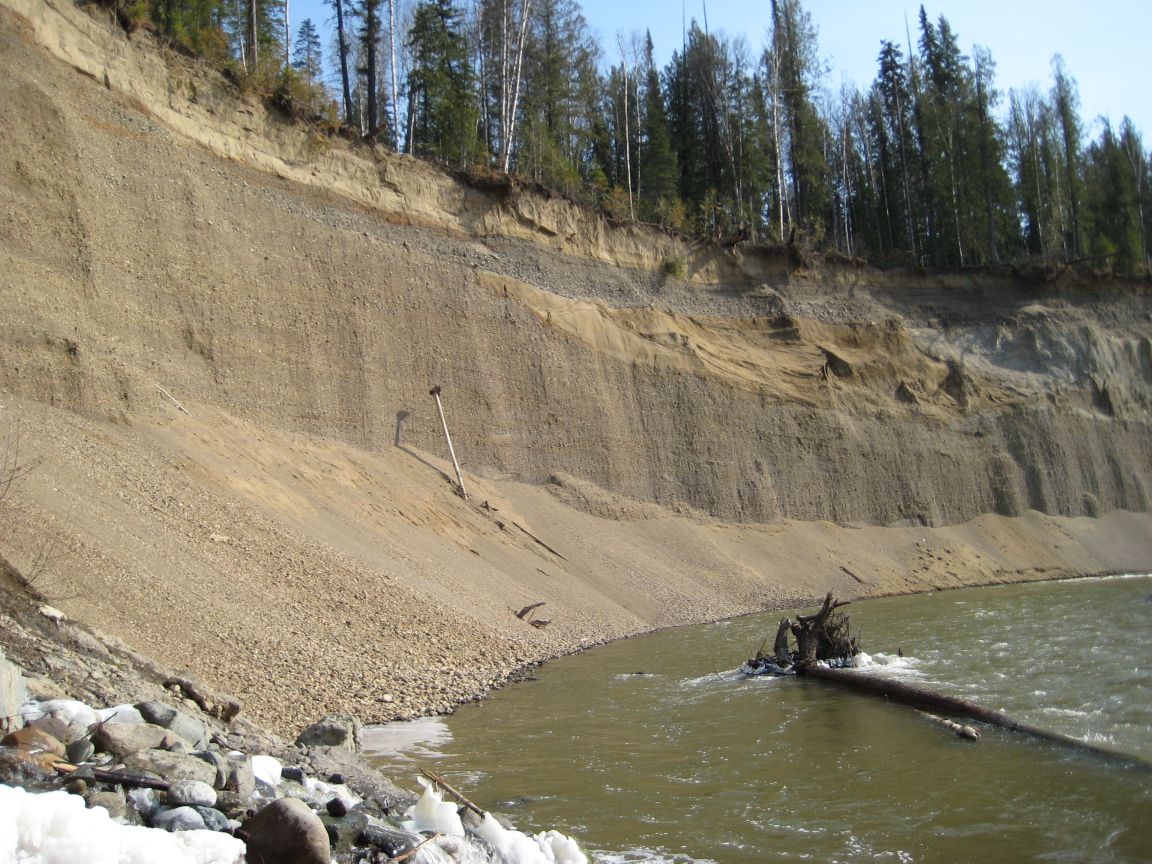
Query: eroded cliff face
x=752, y=392
x=163, y=241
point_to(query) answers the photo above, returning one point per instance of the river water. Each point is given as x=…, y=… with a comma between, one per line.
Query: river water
x=654, y=749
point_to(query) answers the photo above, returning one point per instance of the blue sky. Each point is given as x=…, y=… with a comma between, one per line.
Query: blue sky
x=1106, y=44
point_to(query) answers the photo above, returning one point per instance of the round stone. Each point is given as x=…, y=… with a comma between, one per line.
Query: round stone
x=191, y=793
x=178, y=819
x=214, y=820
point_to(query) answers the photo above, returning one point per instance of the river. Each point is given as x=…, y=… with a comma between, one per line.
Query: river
x=655, y=749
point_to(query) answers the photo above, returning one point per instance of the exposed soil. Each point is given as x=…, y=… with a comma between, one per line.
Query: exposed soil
x=217, y=337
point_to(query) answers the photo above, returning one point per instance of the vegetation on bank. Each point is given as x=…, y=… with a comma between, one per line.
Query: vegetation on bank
x=927, y=167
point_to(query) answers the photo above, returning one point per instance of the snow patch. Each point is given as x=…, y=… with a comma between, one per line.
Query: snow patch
x=56, y=828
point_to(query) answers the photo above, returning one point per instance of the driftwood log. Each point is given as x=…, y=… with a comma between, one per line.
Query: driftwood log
x=825, y=638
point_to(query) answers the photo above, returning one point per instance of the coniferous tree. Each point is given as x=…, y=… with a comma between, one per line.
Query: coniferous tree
x=892, y=133
x=658, y=197
x=1111, y=204
x=307, y=55
x=794, y=39
x=441, y=94
x=340, y=7
x=561, y=124
x=370, y=33
x=1066, y=101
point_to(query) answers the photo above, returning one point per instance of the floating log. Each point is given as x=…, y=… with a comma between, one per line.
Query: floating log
x=961, y=730
x=929, y=700
x=825, y=636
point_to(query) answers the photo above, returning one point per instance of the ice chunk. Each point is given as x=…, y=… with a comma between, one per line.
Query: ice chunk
x=433, y=813
x=56, y=828
x=267, y=769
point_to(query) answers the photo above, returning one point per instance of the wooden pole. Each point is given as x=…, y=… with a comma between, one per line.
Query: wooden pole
x=435, y=392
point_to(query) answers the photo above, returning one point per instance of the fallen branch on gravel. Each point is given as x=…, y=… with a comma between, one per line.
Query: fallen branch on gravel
x=173, y=398
x=122, y=778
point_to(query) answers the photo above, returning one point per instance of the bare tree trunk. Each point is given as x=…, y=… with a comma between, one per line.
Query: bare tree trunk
x=627, y=128
x=253, y=53
x=508, y=124
x=392, y=60
x=342, y=47
x=287, y=37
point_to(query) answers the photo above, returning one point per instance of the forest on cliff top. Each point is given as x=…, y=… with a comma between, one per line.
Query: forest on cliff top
x=926, y=167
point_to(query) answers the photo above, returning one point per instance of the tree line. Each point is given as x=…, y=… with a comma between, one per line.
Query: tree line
x=929, y=166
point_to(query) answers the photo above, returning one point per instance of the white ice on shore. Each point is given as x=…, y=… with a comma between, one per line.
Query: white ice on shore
x=516, y=847
x=267, y=769
x=433, y=814
x=56, y=828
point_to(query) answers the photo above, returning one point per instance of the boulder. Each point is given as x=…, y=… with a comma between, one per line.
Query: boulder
x=191, y=793
x=287, y=832
x=33, y=738
x=123, y=739
x=214, y=820
x=241, y=778
x=335, y=730
x=343, y=831
x=13, y=692
x=171, y=766
x=391, y=841
x=20, y=766
x=178, y=819
x=56, y=724
x=194, y=731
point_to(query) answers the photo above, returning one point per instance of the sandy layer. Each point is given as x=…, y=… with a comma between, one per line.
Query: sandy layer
x=306, y=577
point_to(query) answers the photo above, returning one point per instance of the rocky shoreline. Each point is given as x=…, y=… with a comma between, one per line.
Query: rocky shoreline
x=85, y=716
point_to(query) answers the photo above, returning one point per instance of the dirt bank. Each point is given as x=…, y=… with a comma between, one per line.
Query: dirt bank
x=217, y=336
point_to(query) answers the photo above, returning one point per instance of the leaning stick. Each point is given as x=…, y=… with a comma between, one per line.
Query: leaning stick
x=414, y=849
x=173, y=398
x=435, y=392
x=440, y=781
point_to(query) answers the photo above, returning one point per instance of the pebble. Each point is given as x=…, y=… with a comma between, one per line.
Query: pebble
x=80, y=751
x=113, y=802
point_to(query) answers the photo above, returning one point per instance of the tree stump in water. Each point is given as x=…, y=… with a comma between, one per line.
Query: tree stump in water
x=824, y=636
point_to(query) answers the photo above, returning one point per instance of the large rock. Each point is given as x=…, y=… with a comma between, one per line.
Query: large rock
x=178, y=819
x=13, y=692
x=336, y=730
x=170, y=766
x=191, y=793
x=287, y=832
x=186, y=726
x=241, y=778
x=123, y=739
x=32, y=738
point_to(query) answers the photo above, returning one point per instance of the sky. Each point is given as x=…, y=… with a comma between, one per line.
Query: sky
x=1106, y=44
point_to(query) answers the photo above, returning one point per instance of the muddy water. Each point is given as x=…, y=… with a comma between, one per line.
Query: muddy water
x=654, y=749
